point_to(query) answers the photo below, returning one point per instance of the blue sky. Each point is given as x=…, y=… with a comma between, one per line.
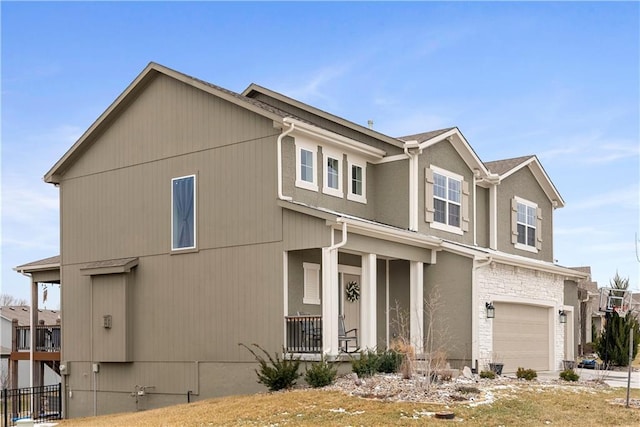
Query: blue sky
x=560, y=80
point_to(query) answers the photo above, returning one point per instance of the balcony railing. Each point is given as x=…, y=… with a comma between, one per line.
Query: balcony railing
x=304, y=333
x=47, y=338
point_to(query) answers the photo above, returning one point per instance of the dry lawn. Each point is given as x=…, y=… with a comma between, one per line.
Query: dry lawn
x=522, y=404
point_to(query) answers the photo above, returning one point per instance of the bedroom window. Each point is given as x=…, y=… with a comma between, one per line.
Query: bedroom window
x=306, y=166
x=357, y=181
x=183, y=212
x=526, y=225
x=446, y=200
x=332, y=172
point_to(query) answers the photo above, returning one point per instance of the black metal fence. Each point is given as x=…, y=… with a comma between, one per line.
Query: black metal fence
x=304, y=334
x=16, y=404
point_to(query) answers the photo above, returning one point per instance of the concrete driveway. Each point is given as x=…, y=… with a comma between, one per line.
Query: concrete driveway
x=612, y=378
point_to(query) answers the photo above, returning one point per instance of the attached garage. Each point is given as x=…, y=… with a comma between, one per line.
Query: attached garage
x=521, y=336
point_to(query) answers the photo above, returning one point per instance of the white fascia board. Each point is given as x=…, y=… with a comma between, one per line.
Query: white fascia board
x=370, y=153
x=514, y=260
x=42, y=267
x=393, y=235
x=541, y=176
x=462, y=146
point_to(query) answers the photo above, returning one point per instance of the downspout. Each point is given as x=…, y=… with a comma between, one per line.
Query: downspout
x=413, y=184
x=279, y=149
x=477, y=264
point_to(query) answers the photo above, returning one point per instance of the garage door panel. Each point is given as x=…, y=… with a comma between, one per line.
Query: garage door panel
x=521, y=336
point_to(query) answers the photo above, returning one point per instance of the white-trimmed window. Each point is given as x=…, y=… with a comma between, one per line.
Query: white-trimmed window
x=357, y=181
x=311, y=283
x=306, y=176
x=526, y=225
x=446, y=200
x=183, y=212
x=332, y=172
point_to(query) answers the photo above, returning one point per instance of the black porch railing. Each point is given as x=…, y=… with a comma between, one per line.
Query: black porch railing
x=304, y=334
x=47, y=338
x=16, y=404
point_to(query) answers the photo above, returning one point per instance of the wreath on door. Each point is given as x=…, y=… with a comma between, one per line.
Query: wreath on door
x=352, y=291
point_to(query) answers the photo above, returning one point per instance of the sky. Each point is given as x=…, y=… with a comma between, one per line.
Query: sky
x=559, y=80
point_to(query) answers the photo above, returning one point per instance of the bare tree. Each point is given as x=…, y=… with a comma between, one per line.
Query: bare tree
x=7, y=299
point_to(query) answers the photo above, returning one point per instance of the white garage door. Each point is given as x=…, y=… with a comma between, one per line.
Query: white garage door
x=521, y=336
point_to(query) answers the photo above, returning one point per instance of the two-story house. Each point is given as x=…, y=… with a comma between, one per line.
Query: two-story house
x=194, y=218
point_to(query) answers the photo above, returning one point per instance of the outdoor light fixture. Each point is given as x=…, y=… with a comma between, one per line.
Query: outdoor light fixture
x=563, y=316
x=491, y=311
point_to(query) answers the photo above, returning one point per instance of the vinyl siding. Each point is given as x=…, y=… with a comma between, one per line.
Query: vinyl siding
x=450, y=277
x=391, y=193
x=444, y=156
x=524, y=185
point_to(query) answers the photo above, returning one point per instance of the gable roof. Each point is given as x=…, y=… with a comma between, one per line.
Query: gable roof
x=22, y=314
x=150, y=72
x=507, y=167
x=459, y=143
x=255, y=89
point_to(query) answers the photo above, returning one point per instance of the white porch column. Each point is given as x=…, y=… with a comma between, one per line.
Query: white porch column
x=368, y=321
x=330, y=290
x=417, y=305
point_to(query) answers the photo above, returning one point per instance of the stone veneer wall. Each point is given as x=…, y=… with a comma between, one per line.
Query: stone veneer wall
x=505, y=283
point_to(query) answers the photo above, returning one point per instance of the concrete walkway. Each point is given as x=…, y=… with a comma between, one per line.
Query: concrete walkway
x=612, y=378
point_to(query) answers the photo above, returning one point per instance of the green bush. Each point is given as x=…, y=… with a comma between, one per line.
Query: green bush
x=569, y=375
x=527, y=374
x=276, y=374
x=320, y=374
x=488, y=374
x=613, y=344
x=389, y=361
x=366, y=365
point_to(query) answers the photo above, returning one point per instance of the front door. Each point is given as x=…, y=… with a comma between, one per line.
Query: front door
x=350, y=287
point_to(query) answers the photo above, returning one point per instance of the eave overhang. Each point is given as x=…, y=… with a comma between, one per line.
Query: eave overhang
x=368, y=152
x=543, y=179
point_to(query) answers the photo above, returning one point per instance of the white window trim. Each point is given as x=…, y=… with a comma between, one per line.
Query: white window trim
x=533, y=205
x=313, y=148
x=311, y=269
x=438, y=225
x=195, y=213
x=363, y=165
x=337, y=155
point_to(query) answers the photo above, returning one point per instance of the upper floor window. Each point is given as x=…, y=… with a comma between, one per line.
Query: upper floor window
x=526, y=225
x=306, y=165
x=446, y=200
x=357, y=181
x=183, y=212
x=332, y=172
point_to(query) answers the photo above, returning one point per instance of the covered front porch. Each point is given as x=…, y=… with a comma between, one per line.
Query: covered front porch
x=360, y=290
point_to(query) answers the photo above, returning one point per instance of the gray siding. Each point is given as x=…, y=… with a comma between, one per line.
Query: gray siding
x=392, y=194
x=451, y=278
x=116, y=202
x=482, y=216
x=524, y=185
x=444, y=156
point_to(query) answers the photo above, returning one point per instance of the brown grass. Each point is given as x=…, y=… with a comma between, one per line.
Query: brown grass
x=521, y=405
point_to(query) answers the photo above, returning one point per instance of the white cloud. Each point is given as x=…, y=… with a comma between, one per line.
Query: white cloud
x=622, y=198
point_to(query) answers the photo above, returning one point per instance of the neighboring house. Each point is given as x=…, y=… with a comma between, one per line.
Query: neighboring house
x=591, y=319
x=21, y=315
x=194, y=218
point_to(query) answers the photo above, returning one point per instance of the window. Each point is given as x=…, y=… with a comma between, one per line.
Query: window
x=183, y=212
x=357, y=181
x=306, y=166
x=526, y=225
x=311, y=283
x=332, y=172
x=446, y=200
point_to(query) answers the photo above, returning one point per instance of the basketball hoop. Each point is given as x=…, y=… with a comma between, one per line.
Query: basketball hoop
x=615, y=300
